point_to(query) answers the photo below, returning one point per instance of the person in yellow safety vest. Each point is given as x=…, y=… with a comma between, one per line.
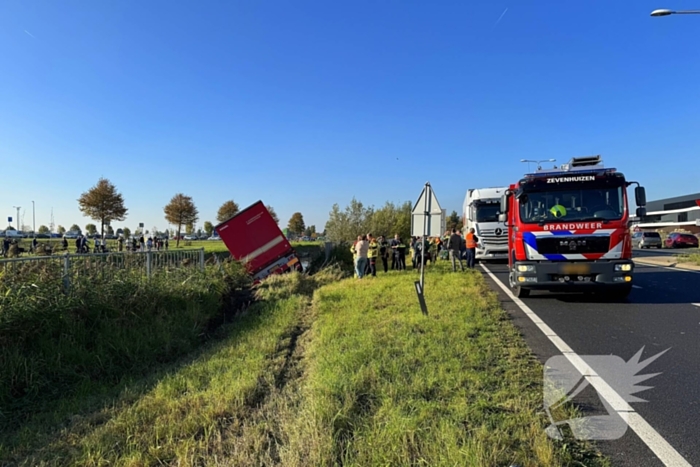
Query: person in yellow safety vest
x=354, y=253
x=372, y=254
x=471, y=240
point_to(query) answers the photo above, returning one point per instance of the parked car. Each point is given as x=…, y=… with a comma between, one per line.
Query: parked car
x=681, y=240
x=647, y=240
x=190, y=237
x=72, y=234
x=214, y=237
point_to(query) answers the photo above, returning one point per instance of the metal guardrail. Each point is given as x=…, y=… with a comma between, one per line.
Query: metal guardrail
x=102, y=264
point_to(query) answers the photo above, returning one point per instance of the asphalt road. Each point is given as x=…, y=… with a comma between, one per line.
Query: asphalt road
x=662, y=312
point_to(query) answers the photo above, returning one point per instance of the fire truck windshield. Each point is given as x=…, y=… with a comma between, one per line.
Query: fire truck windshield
x=572, y=204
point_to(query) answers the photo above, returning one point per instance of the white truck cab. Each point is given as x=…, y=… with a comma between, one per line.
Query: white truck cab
x=481, y=209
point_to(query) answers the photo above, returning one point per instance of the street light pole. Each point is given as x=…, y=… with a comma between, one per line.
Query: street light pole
x=665, y=12
x=17, y=221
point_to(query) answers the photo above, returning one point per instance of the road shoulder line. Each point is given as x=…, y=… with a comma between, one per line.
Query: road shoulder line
x=666, y=453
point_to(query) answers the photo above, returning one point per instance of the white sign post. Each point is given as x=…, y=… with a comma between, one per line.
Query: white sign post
x=427, y=219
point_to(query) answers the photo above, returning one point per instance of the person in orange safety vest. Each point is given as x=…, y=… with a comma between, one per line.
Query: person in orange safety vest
x=471, y=241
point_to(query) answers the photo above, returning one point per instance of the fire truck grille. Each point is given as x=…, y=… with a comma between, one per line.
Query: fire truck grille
x=559, y=244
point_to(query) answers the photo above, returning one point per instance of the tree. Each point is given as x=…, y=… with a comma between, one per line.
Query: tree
x=273, y=213
x=91, y=229
x=181, y=211
x=208, y=228
x=296, y=223
x=103, y=203
x=310, y=231
x=43, y=229
x=454, y=221
x=75, y=228
x=61, y=229
x=227, y=211
x=126, y=232
x=356, y=219
x=189, y=228
x=110, y=230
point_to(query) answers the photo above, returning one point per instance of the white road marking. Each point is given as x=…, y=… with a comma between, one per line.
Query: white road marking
x=636, y=286
x=649, y=436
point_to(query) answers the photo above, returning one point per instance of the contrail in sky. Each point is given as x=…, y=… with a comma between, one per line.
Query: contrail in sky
x=498, y=20
x=32, y=35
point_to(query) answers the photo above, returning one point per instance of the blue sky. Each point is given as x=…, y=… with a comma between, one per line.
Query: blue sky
x=307, y=103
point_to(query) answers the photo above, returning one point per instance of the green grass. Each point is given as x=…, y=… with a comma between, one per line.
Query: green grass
x=358, y=376
x=55, y=343
x=693, y=258
x=388, y=386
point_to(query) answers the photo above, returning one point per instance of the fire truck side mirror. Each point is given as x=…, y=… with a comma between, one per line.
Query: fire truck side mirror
x=641, y=212
x=640, y=196
x=502, y=217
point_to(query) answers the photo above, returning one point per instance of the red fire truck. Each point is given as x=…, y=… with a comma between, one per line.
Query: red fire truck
x=568, y=229
x=253, y=237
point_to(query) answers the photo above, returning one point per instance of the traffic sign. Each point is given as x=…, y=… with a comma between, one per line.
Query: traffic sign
x=427, y=217
x=9, y=219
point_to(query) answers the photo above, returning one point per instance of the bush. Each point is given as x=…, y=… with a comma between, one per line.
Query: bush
x=104, y=329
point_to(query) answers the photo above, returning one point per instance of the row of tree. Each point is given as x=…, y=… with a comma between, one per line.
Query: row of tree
x=391, y=219
x=103, y=203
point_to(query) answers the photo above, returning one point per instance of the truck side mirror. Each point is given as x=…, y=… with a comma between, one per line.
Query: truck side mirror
x=641, y=212
x=640, y=196
x=502, y=217
x=504, y=205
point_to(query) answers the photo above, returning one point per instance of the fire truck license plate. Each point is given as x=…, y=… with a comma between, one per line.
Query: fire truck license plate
x=576, y=269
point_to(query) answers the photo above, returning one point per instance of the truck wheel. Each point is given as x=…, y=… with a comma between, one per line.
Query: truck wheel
x=517, y=290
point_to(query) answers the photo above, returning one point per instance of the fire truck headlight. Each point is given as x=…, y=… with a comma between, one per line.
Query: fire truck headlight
x=623, y=267
x=526, y=268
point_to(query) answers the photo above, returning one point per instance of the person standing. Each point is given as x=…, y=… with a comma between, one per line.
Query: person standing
x=361, y=249
x=454, y=245
x=354, y=252
x=384, y=253
x=471, y=241
x=401, y=248
x=372, y=254
x=166, y=243
x=393, y=245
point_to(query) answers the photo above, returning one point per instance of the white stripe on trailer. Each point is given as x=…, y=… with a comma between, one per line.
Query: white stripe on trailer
x=263, y=249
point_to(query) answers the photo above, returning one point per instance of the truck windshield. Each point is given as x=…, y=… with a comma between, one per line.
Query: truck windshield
x=572, y=205
x=487, y=212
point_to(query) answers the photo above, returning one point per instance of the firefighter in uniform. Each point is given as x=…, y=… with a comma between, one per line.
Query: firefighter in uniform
x=384, y=252
x=470, y=240
x=372, y=254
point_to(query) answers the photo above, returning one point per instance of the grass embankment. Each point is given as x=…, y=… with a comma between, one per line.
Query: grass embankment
x=56, y=343
x=357, y=377
x=692, y=258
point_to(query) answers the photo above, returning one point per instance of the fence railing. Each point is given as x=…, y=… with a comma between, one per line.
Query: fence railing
x=100, y=265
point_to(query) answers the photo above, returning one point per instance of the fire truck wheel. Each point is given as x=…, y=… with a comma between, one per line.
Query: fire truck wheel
x=517, y=291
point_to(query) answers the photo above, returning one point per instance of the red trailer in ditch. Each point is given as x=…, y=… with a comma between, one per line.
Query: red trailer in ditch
x=253, y=237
